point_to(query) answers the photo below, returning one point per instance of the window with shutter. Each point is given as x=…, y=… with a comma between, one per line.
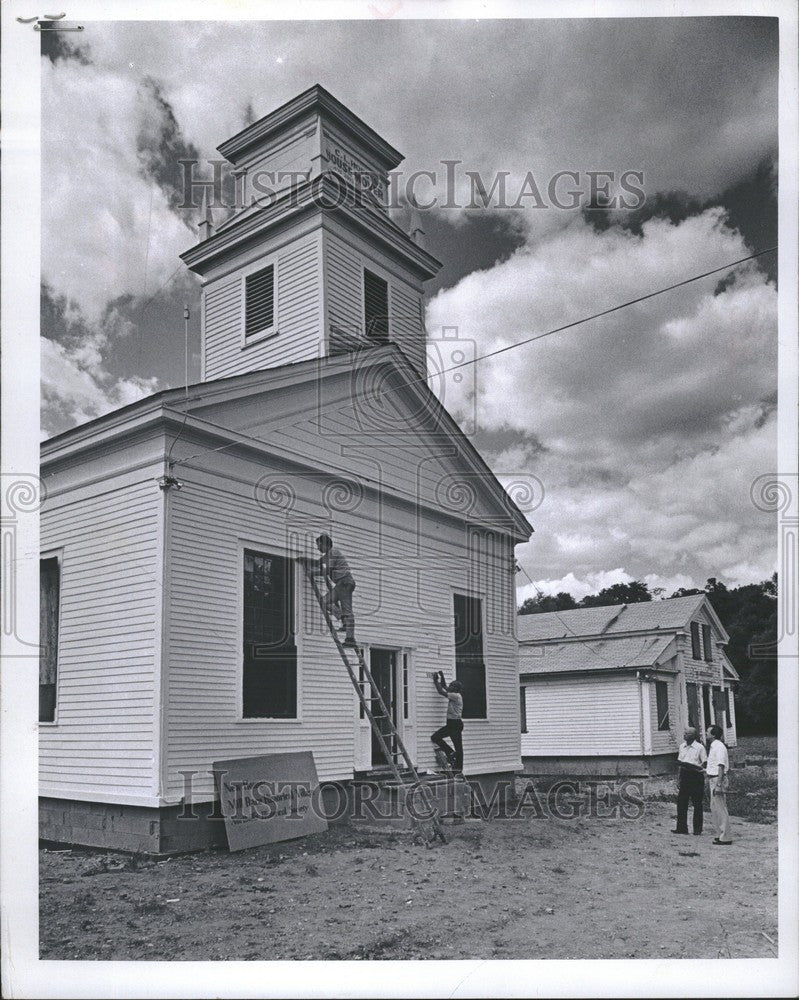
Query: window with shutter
x=696, y=641
x=469, y=666
x=662, y=702
x=259, y=302
x=523, y=707
x=49, y=602
x=375, y=306
x=707, y=643
x=692, y=695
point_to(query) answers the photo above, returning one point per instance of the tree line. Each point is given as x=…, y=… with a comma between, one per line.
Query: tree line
x=748, y=613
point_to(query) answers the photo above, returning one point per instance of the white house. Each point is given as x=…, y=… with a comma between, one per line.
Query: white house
x=177, y=626
x=609, y=690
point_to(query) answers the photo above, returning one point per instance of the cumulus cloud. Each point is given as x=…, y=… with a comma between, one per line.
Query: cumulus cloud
x=647, y=427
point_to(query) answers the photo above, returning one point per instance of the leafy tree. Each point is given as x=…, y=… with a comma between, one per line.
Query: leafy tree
x=546, y=602
x=620, y=593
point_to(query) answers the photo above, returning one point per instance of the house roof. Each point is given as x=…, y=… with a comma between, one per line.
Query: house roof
x=621, y=653
x=672, y=614
x=175, y=406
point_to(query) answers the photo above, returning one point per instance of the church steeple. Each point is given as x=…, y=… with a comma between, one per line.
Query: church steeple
x=312, y=264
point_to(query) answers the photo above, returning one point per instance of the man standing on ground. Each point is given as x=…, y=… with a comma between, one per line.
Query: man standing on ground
x=454, y=724
x=335, y=568
x=691, y=788
x=718, y=766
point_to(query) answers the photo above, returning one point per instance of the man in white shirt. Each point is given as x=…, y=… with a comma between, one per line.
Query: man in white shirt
x=718, y=766
x=691, y=789
x=454, y=724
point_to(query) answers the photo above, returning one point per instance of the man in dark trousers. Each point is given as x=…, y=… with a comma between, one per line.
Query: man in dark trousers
x=335, y=568
x=691, y=788
x=454, y=724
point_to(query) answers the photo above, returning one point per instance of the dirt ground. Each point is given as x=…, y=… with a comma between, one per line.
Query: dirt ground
x=523, y=888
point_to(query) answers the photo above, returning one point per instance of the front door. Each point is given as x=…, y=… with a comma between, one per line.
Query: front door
x=383, y=666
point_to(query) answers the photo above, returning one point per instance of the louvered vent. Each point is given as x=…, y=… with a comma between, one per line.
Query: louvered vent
x=375, y=306
x=259, y=306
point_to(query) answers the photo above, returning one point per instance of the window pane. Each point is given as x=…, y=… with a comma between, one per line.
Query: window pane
x=696, y=648
x=49, y=599
x=662, y=703
x=469, y=666
x=270, y=653
x=375, y=306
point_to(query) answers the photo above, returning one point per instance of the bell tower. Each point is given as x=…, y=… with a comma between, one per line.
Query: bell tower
x=311, y=264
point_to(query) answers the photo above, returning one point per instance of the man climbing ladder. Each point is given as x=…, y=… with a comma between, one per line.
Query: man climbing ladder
x=453, y=728
x=336, y=571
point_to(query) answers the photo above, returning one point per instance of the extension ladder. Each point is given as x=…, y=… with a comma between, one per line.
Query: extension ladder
x=429, y=827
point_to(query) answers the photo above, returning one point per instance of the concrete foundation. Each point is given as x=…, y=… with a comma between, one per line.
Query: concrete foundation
x=602, y=767
x=177, y=829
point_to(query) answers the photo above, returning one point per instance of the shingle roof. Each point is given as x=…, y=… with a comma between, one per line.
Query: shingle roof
x=673, y=613
x=597, y=654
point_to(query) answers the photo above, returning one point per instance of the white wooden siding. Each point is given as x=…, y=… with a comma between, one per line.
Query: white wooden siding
x=582, y=716
x=392, y=446
x=406, y=575
x=298, y=315
x=103, y=745
x=345, y=261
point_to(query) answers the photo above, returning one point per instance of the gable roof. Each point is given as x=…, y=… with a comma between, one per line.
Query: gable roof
x=622, y=653
x=671, y=614
x=185, y=408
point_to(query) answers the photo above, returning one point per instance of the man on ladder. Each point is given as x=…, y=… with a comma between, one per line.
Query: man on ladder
x=340, y=582
x=454, y=724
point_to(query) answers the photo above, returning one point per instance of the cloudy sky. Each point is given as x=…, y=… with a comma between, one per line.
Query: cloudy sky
x=645, y=428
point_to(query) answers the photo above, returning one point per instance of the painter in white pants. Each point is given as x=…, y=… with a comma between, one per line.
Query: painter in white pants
x=718, y=765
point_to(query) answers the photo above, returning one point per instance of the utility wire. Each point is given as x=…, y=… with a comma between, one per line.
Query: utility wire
x=528, y=340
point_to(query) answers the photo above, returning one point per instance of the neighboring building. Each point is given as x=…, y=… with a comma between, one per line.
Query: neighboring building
x=609, y=690
x=177, y=626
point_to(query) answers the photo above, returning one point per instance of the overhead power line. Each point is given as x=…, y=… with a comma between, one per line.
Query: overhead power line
x=529, y=340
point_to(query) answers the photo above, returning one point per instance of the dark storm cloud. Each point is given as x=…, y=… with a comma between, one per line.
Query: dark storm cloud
x=55, y=46
x=751, y=207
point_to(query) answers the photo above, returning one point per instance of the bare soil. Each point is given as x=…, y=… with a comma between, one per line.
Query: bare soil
x=524, y=888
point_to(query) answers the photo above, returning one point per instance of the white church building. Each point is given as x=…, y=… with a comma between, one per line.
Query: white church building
x=177, y=626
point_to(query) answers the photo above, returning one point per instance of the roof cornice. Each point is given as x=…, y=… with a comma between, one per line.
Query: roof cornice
x=316, y=98
x=294, y=204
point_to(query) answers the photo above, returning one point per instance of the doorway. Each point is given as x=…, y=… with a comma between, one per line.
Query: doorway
x=383, y=667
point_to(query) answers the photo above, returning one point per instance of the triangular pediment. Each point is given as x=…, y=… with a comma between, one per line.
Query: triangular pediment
x=366, y=416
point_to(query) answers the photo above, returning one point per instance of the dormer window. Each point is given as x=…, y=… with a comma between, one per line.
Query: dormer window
x=259, y=303
x=375, y=306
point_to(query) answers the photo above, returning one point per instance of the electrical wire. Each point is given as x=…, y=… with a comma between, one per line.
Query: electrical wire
x=527, y=340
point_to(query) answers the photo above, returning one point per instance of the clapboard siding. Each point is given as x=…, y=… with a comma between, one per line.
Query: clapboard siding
x=103, y=742
x=407, y=330
x=389, y=440
x=298, y=334
x=344, y=266
x=403, y=599
x=343, y=294
x=582, y=715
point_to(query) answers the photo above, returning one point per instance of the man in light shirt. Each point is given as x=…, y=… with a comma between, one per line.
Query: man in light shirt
x=718, y=766
x=454, y=724
x=691, y=788
x=335, y=568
